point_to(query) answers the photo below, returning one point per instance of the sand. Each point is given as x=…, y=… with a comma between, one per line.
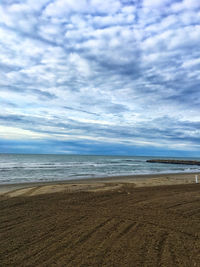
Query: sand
x=121, y=221
x=98, y=184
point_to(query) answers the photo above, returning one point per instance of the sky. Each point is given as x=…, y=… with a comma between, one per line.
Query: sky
x=115, y=77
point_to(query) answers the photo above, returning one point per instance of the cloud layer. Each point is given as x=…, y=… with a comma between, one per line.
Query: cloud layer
x=91, y=76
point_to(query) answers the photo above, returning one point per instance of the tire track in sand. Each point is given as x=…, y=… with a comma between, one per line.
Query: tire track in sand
x=60, y=250
x=160, y=248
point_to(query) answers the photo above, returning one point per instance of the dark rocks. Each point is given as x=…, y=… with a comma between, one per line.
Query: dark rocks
x=174, y=161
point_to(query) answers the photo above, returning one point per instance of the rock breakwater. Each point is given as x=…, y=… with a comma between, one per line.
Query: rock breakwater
x=174, y=161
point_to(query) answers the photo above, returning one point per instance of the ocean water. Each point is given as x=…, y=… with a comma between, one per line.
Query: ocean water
x=19, y=168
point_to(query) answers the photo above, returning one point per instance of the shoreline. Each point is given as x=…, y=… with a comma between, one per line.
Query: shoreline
x=96, y=184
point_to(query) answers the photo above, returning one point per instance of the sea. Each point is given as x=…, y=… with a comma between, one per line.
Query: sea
x=22, y=168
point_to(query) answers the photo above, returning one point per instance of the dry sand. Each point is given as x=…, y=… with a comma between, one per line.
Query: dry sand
x=121, y=221
x=98, y=184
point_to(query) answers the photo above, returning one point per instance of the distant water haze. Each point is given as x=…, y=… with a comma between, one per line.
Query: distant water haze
x=20, y=168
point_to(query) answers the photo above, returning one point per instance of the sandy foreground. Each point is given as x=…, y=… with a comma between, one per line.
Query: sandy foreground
x=119, y=221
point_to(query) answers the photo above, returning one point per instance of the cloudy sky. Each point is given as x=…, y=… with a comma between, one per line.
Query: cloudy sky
x=100, y=77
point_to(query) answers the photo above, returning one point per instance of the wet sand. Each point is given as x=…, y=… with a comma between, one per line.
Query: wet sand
x=123, y=221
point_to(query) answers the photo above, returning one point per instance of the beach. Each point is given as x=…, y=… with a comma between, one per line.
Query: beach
x=97, y=184
x=141, y=220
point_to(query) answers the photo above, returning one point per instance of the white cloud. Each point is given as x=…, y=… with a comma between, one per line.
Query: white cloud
x=102, y=67
x=5, y=17
x=185, y=5
x=81, y=65
x=19, y=134
x=64, y=7
x=191, y=63
x=109, y=6
x=155, y=3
